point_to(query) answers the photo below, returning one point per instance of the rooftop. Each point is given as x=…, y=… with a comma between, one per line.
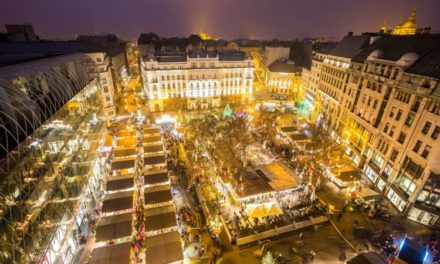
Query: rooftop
x=350, y=46
x=284, y=66
x=183, y=57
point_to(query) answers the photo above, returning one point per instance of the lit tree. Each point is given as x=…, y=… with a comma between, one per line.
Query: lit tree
x=268, y=258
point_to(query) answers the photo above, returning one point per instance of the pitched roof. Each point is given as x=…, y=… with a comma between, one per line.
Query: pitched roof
x=393, y=47
x=428, y=65
x=283, y=66
x=350, y=46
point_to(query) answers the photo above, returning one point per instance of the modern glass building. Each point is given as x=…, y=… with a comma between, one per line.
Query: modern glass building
x=51, y=127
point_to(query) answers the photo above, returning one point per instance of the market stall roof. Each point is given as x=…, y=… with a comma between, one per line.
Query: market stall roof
x=108, y=140
x=119, y=184
x=153, y=148
x=160, y=218
x=126, y=142
x=346, y=175
x=111, y=254
x=127, y=133
x=263, y=209
x=299, y=137
x=113, y=227
x=156, y=177
x=157, y=194
x=368, y=194
x=164, y=248
x=156, y=159
x=122, y=164
x=252, y=183
x=151, y=130
x=413, y=252
x=151, y=139
x=289, y=129
x=117, y=204
x=123, y=152
x=367, y=258
x=279, y=176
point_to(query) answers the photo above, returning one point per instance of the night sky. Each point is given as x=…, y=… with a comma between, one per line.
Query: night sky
x=262, y=19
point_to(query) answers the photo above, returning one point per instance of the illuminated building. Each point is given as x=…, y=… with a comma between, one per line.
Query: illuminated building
x=409, y=27
x=271, y=54
x=115, y=49
x=52, y=127
x=382, y=103
x=283, y=77
x=97, y=62
x=201, y=78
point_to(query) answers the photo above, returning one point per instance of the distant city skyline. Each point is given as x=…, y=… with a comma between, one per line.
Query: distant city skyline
x=229, y=19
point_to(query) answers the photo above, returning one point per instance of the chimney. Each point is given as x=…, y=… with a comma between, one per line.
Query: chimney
x=350, y=33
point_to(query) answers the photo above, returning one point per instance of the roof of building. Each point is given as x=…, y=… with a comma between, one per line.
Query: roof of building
x=392, y=48
x=172, y=58
x=283, y=66
x=367, y=258
x=428, y=65
x=164, y=248
x=112, y=254
x=350, y=46
x=301, y=54
x=47, y=47
x=228, y=55
x=16, y=52
x=412, y=252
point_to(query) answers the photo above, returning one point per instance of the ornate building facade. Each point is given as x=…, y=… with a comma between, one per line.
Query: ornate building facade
x=201, y=78
x=379, y=96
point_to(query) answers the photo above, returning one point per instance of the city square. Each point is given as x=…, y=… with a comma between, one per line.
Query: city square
x=223, y=141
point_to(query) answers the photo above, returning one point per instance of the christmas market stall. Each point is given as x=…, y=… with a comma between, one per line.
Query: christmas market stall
x=112, y=254
x=164, y=248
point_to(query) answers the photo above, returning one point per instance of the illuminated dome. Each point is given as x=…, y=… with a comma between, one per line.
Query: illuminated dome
x=407, y=59
x=409, y=27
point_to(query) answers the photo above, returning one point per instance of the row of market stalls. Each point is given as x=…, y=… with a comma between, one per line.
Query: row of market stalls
x=138, y=190
x=163, y=242
x=115, y=226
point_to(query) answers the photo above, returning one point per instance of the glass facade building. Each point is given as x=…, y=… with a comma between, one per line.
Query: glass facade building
x=52, y=114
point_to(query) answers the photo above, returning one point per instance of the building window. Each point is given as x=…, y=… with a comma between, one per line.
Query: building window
x=436, y=132
x=392, y=131
x=402, y=137
x=386, y=127
x=426, y=127
x=388, y=169
x=417, y=146
x=426, y=151
x=393, y=155
x=392, y=112
x=399, y=114
x=104, y=81
x=106, y=89
x=409, y=120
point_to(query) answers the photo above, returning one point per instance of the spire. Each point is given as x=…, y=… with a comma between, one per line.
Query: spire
x=412, y=16
x=383, y=27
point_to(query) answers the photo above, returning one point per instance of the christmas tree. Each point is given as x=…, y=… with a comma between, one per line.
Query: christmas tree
x=227, y=113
